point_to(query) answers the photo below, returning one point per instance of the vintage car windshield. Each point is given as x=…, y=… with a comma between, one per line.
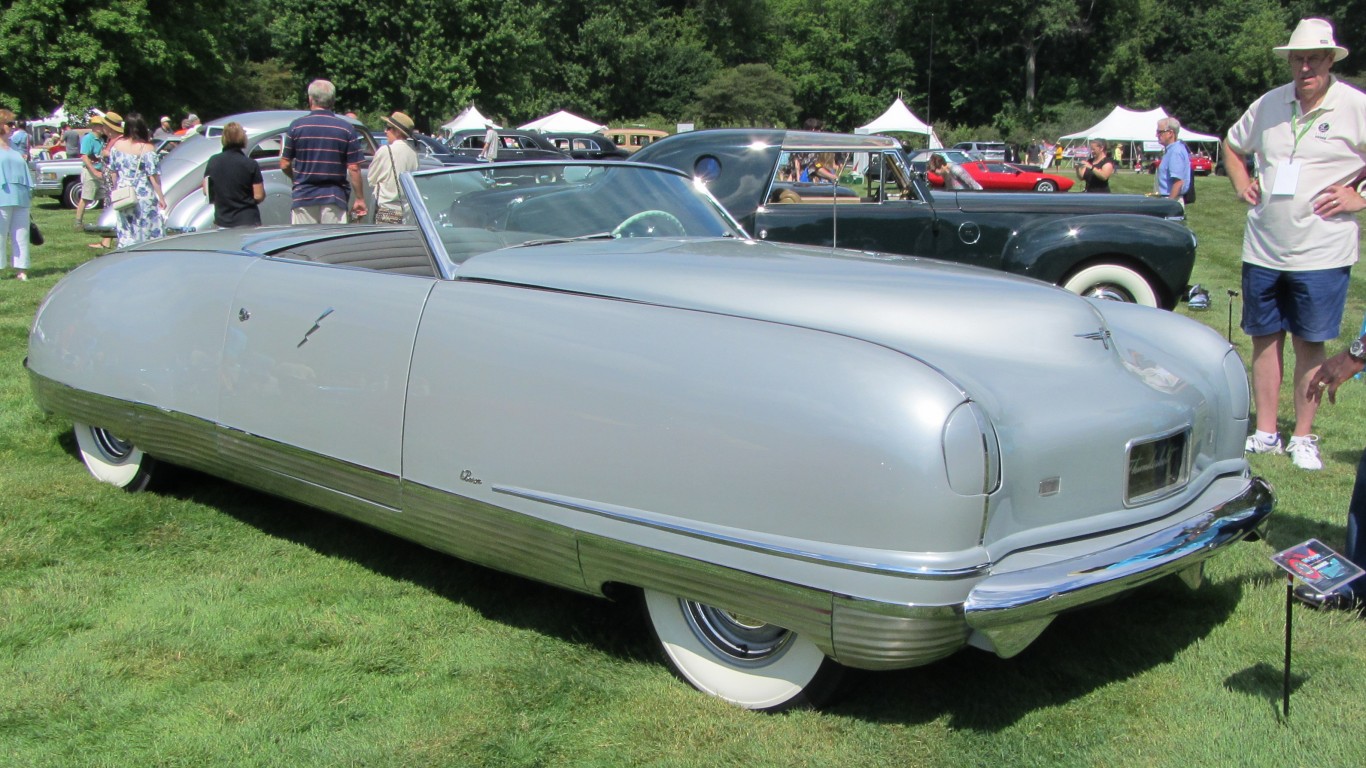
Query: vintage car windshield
x=819, y=178
x=475, y=209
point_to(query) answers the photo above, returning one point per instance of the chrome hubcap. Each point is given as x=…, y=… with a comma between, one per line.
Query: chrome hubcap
x=114, y=449
x=1108, y=293
x=737, y=638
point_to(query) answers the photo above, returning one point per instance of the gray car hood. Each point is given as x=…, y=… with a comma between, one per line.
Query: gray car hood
x=948, y=315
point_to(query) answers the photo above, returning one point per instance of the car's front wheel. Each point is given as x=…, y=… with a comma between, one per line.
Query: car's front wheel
x=1112, y=282
x=1046, y=185
x=113, y=460
x=746, y=662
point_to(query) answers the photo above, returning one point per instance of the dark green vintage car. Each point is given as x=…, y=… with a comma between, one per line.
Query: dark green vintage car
x=859, y=192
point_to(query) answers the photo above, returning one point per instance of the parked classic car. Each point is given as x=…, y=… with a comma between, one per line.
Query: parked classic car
x=1123, y=247
x=587, y=146
x=633, y=138
x=990, y=151
x=514, y=145
x=589, y=375
x=436, y=150
x=60, y=179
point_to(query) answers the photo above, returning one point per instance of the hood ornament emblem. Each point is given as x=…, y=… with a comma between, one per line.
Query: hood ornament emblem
x=1103, y=336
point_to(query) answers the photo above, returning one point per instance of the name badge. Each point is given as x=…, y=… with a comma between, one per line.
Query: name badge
x=1287, y=177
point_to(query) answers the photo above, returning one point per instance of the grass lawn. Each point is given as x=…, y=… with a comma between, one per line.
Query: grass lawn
x=202, y=624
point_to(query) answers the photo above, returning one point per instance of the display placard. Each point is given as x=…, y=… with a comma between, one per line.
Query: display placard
x=1317, y=565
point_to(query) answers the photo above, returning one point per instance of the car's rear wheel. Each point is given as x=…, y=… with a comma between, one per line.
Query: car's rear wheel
x=71, y=193
x=113, y=460
x=1112, y=282
x=1046, y=185
x=738, y=659
x=71, y=196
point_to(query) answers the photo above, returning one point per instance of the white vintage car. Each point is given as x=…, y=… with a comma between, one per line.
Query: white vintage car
x=588, y=374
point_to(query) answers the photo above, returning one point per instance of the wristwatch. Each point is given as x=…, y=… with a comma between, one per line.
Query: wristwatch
x=1357, y=351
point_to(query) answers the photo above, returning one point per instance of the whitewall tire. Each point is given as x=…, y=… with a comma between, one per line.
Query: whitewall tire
x=753, y=665
x=1113, y=282
x=113, y=460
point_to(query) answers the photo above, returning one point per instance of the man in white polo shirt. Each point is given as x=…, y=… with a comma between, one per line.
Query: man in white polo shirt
x=1309, y=140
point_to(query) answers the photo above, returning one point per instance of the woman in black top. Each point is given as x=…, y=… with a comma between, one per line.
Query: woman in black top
x=1097, y=170
x=233, y=182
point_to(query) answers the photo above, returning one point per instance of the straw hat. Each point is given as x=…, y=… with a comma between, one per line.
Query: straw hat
x=113, y=121
x=401, y=123
x=1312, y=35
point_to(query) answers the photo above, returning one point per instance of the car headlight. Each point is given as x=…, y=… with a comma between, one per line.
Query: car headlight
x=972, y=456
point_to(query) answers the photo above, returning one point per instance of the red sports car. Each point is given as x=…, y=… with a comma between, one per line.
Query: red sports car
x=1201, y=165
x=1008, y=177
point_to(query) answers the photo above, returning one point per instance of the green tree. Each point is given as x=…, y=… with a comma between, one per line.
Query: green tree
x=152, y=56
x=746, y=95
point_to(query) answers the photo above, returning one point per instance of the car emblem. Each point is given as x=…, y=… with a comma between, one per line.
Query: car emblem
x=1103, y=336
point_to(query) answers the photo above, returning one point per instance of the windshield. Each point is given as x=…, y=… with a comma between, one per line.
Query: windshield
x=480, y=208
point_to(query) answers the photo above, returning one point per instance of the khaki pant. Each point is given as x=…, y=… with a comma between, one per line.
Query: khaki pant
x=318, y=214
x=92, y=186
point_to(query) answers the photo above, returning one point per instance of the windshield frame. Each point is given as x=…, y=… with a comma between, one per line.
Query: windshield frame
x=449, y=268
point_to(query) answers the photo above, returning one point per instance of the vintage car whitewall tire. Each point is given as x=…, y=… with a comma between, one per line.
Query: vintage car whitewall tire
x=756, y=666
x=1113, y=282
x=112, y=460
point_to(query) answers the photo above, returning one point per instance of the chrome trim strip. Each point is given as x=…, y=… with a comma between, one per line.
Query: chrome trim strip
x=236, y=455
x=1032, y=595
x=640, y=519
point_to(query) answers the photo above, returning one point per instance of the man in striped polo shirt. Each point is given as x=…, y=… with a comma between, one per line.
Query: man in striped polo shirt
x=322, y=151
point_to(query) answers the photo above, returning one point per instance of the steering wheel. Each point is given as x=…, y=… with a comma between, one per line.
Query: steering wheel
x=668, y=224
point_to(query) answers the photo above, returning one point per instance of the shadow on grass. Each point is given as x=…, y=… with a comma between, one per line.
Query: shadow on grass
x=1079, y=653
x=1288, y=529
x=602, y=624
x=1265, y=681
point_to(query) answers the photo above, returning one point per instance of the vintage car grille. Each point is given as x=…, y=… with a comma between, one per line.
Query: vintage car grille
x=1158, y=467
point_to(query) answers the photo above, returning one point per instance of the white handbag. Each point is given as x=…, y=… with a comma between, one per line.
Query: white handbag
x=123, y=198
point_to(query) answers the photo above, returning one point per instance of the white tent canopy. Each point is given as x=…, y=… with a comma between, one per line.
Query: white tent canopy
x=899, y=119
x=470, y=118
x=1128, y=125
x=563, y=122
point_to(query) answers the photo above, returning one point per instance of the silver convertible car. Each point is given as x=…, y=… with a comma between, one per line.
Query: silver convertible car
x=586, y=373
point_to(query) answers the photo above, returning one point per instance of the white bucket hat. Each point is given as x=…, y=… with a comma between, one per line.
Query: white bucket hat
x=1312, y=35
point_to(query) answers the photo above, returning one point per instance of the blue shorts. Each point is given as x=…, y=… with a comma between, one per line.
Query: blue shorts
x=1308, y=304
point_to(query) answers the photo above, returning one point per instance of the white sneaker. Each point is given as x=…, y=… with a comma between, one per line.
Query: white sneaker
x=1304, y=452
x=1257, y=445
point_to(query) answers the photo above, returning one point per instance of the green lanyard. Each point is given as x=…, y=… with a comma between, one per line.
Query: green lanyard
x=1295, y=128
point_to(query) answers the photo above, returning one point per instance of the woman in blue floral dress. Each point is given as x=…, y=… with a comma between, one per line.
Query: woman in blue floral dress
x=133, y=162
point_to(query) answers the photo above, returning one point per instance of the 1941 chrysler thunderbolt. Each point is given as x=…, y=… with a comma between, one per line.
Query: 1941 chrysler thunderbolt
x=1118, y=247
x=588, y=374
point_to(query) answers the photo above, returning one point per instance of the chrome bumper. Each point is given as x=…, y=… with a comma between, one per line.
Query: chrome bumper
x=1011, y=609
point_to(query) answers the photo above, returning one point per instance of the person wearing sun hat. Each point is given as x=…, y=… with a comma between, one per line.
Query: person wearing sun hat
x=395, y=157
x=1300, y=241
x=92, y=167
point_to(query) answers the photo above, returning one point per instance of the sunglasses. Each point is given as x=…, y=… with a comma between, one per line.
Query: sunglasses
x=1314, y=60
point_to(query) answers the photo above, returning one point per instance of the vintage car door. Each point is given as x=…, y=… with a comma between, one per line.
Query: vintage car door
x=314, y=373
x=875, y=207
